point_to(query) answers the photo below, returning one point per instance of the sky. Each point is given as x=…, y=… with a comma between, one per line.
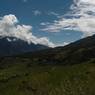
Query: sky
x=47, y=22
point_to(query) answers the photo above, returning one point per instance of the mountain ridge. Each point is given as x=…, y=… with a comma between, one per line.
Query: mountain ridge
x=76, y=52
x=11, y=46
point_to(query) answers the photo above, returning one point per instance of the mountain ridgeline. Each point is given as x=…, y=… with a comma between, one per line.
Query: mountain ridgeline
x=77, y=52
x=11, y=46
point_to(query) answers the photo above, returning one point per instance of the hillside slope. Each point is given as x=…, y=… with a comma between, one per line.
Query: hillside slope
x=77, y=52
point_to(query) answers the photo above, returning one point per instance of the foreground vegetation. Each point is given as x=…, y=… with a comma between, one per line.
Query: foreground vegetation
x=23, y=78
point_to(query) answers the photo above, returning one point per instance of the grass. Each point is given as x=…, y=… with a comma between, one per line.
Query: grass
x=25, y=79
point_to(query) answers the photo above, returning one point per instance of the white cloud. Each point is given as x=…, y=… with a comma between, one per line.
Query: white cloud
x=63, y=44
x=53, y=14
x=44, y=23
x=10, y=27
x=9, y=40
x=37, y=12
x=80, y=18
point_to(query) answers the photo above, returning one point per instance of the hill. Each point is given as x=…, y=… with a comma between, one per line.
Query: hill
x=77, y=52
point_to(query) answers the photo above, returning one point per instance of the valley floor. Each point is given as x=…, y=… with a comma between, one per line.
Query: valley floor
x=26, y=79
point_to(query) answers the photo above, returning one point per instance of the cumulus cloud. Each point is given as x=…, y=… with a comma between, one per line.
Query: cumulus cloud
x=10, y=27
x=80, y=18
x=63, y=44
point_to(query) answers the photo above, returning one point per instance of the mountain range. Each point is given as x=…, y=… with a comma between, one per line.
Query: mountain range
x=77, y=52
x=12, y=46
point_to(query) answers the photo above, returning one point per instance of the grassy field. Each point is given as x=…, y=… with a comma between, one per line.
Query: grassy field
x=27, y=79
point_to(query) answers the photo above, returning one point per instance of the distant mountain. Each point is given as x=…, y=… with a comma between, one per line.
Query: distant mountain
x=11, y=46
x=77, y=52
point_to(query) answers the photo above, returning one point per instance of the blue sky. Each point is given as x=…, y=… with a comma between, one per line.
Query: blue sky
x=42, y=14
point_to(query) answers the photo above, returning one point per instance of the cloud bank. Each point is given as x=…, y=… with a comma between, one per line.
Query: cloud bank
x=9, y=26
x=80, y=18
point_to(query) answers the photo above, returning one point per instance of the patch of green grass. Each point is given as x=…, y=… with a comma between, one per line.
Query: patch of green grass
x=25, y=79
